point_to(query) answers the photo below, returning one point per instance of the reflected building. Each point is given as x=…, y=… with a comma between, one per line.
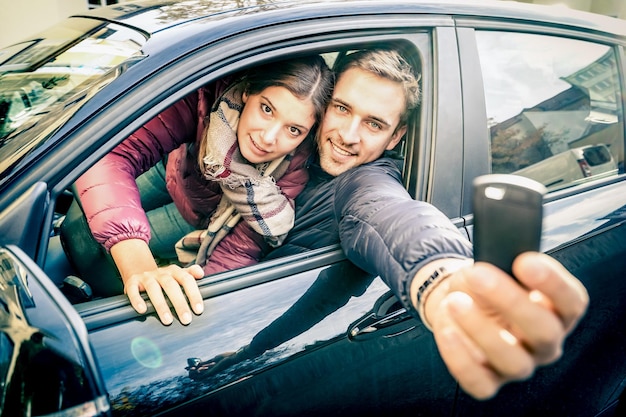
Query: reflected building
x=586, y=113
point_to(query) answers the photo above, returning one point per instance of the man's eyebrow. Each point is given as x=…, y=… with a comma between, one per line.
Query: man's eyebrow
x=269, y=103
x=377, y=119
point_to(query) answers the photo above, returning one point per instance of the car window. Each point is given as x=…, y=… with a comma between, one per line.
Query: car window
x=43, y=82
x=553, y=107
x=173, y=245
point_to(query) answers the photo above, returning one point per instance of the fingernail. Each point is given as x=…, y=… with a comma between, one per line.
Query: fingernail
x=536, y=268
x=199, y=308
x=508, y=337
x=460, y=302
x=185, y=318
x=168, y=319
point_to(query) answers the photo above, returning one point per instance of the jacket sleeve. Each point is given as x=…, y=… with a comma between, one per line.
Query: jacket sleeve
x=243, y=246
x=108, y=191
x=387, y=233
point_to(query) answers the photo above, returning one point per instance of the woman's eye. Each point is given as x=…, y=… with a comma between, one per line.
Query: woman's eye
x=295, y=131
x=266, y=109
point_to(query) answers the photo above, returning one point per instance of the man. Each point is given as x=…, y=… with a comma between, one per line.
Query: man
x=488, y=328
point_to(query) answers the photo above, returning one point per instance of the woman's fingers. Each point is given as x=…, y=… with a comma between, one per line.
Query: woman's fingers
x=190, y=287
x=171, y=283
x=157, y=298
x=133, y=292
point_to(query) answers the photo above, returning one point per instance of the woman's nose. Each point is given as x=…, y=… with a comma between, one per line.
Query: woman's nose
x=270, y=133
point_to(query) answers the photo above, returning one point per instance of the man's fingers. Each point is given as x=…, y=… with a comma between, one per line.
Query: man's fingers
x=567, y=294
x=464, y=359
x=535, y=324
x=503, y=352
x=491, y=330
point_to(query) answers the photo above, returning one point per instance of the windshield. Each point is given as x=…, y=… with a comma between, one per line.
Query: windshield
x=45, y=80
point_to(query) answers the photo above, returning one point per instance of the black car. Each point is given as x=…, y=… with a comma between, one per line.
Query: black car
x=505, y=86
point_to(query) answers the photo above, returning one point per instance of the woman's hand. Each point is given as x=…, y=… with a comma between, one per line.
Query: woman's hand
x=491, y=330
x=140, y=272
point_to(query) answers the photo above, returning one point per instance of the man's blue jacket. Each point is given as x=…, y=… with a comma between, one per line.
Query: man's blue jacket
x=380, y=227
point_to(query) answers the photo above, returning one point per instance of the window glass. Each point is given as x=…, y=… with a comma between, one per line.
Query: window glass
x=553, y=107
x=43, y=82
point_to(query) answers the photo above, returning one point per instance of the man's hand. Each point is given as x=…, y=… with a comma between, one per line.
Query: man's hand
x=491, y=330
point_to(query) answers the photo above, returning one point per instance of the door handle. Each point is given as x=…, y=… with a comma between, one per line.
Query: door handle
x=372, y=323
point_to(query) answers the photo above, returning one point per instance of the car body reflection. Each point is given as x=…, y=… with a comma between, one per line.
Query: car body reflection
x=150, y=361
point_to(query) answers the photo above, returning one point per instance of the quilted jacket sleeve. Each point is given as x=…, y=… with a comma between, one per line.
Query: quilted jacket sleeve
x=243, y=246
x=108, y=192
x=387, y=233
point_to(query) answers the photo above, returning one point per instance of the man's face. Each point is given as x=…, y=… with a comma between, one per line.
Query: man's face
x=360, y=122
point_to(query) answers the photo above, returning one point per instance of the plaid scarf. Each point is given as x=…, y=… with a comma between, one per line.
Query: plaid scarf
x=249, y=191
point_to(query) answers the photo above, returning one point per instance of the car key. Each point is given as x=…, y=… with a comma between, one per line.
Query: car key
x=508, y=214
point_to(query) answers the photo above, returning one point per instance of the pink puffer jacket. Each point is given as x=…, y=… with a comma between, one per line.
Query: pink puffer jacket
x=110, y=197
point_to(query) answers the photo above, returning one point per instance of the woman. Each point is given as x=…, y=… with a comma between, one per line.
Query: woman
x=264, y=117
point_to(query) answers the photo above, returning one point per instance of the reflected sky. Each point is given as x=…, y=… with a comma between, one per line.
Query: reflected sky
x=522, y=70
x=574, y=216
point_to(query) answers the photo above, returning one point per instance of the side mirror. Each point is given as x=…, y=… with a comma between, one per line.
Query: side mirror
x=46, y=366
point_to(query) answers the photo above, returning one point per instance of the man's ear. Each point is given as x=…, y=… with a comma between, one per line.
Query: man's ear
x=396, y=137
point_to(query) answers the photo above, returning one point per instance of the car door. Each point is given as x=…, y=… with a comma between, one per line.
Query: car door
x=546, y=90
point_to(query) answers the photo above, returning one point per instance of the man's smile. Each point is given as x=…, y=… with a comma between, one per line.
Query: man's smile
x=339, y=150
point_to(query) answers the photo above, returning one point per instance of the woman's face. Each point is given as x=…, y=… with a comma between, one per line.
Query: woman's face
x=273, y=123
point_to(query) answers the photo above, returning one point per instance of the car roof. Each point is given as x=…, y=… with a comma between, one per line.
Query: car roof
x=154, y=16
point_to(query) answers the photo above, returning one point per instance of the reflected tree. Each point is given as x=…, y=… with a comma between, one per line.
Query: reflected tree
x=512, y=150
x=194, y=8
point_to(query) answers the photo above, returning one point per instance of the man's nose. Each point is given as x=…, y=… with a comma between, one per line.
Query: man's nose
x=350, y=131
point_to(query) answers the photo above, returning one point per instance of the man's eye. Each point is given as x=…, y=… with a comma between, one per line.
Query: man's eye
x=375, y=125
x=341, y=109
